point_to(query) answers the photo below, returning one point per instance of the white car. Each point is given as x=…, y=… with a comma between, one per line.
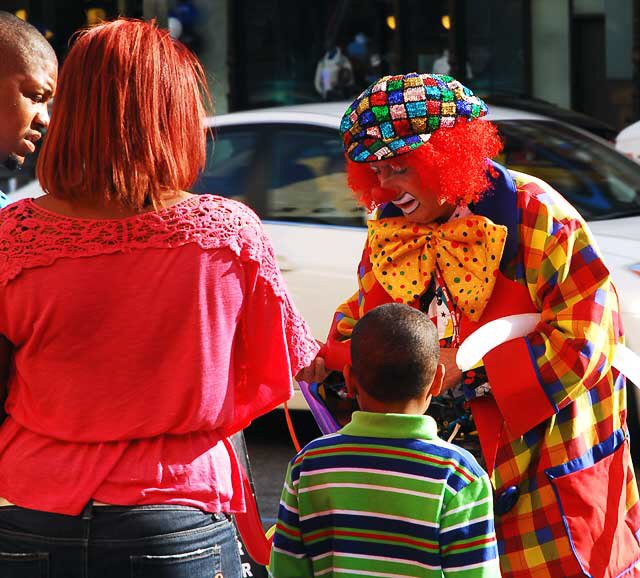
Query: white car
x=628, y=141
x=288, y=164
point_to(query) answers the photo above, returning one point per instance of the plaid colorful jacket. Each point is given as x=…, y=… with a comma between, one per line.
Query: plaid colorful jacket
x=566, y=497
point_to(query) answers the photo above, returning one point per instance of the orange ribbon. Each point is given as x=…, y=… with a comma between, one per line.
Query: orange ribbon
x=466, y=251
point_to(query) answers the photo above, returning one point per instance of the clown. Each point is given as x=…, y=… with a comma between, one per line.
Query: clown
x=467, y=241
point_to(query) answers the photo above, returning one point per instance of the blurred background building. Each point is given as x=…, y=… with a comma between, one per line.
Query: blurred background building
x=578, y=54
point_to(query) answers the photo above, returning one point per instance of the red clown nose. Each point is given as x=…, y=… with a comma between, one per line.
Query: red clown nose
x=380, y=195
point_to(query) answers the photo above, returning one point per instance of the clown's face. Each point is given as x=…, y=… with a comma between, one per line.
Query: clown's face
x=409, y=193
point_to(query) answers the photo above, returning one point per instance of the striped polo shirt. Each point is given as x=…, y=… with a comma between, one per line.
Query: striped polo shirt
x=385, y=496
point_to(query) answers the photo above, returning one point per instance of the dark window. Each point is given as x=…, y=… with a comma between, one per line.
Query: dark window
x=308, y=181
x=496, y=35
x=594, y=178
x=290, y=52
x=230, y=156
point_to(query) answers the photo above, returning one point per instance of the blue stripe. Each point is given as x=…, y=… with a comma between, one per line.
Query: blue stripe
x=377, y=523
x=620, y=382
x=536, y=352
x=289, y=518
x=589, y=458
x=465, y=533
x=437, y=448
x=470, y=557
x=388, y=465
x=370, y=548
x=283, y=541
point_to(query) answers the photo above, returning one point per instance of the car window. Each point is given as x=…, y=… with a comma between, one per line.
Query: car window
x=600, y=182
x=308, y=180
x=230, y=155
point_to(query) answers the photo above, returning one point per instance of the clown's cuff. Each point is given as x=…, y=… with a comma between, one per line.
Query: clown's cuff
x=516, y=386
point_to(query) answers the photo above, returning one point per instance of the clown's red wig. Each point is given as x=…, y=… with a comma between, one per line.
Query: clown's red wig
x=453, y=164
x=127, y=121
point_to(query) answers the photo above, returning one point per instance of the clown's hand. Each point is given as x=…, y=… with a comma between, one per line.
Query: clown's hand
x=452, y=374
x=316, y=372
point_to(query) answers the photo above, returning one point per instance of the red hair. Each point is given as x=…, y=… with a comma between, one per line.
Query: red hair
x=453, y=164
x=127, y=122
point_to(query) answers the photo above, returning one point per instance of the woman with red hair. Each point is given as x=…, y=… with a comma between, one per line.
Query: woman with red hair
x=467, y=241
x=147, y=326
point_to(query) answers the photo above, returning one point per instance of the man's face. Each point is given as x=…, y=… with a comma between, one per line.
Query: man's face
x=23, y=109
x=412, y=196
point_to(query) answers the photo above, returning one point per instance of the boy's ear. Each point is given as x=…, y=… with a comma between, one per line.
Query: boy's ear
x=349, y=381
x=438, y=378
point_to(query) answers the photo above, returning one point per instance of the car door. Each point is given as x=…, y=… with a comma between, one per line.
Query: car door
x=316, y=225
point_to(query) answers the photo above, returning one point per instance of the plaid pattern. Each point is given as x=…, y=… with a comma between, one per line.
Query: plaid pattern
x=398, y=113
x=582, y=408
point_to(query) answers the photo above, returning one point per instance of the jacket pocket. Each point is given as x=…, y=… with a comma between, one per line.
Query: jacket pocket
x=593, y=492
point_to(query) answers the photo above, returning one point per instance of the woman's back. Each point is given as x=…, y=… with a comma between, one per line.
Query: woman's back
x=128, y=329
x=140, y=326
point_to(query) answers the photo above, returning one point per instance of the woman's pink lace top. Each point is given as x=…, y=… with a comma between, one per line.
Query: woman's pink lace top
x=140, y=344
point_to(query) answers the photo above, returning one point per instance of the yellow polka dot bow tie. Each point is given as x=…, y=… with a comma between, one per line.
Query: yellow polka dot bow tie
x=466, y=251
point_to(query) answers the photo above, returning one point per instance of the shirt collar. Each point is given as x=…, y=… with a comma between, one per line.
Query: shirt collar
x=391, y=425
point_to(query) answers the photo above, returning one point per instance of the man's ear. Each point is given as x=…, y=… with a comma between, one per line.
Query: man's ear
x=349, y=381
x=436, y=385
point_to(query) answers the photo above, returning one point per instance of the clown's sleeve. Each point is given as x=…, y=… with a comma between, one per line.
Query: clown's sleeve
x=348, y=313
x=573, y=345
x=344, y=319
x=370, y=294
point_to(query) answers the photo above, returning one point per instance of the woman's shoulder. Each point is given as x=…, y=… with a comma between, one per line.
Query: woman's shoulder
x=227, y=222
x=223, y=209
x=32, y=236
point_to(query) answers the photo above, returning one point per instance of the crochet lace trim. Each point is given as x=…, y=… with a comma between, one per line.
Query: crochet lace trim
x=31, y=236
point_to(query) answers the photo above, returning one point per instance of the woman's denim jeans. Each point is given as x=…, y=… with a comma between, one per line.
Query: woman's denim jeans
x=158, y=541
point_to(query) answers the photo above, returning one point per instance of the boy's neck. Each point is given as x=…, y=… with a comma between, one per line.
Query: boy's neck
x=410, y=406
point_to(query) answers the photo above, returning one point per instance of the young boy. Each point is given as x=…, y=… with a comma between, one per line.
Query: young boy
x=384, y=496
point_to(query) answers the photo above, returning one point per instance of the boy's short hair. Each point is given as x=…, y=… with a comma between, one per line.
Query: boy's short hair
x=394, y=352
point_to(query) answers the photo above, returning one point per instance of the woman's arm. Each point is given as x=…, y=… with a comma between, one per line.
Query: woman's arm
x=6, y=351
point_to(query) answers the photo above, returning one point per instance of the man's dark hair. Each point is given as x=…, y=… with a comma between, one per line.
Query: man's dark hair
x=21, y=44
x=394, y=352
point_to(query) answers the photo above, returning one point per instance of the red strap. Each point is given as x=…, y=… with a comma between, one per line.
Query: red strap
x=489, y=423
x=249, y=526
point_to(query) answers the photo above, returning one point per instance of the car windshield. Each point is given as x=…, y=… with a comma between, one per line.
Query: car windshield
x=600, y=182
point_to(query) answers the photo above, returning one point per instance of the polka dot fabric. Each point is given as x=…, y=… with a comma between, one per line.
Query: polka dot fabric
x=398, y=113
x=467, y=252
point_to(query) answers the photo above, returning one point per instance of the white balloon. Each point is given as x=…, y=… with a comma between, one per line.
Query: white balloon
x=627, y=362
x=504, y=329
x=492, y=334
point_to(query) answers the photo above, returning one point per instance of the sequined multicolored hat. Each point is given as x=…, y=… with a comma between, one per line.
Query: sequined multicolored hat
x=399, y=113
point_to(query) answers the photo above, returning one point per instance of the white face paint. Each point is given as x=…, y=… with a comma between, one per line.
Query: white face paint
x=416, y=203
